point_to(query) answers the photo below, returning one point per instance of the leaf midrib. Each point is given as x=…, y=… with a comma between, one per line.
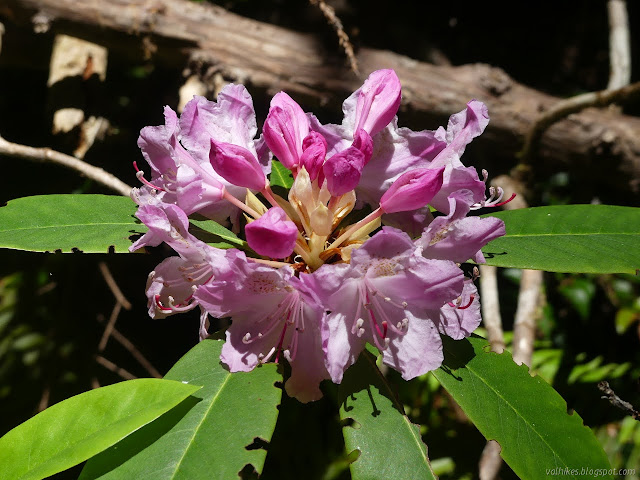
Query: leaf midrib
x=66, y=226
x=195, y=430
x=514, y=410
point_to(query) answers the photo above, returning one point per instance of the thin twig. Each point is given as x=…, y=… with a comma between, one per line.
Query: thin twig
x=330, y=14
x=490, y=461
x=44, y=399
x=114, y=368
x=491, y=307
x=524, y=327
x=47, y=155
x=572, y=105
x=113, y=286
x=619, y=44
x=108, y=330
x=616, y=401
x=126, y=343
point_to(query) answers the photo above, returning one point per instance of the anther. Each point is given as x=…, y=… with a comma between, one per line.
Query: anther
x=360, y=322
x=360, y=332
x=247, y=338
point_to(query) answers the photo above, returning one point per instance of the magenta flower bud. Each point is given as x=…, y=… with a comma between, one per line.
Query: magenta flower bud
x=285, y=128
x=412, y=190
x=273, y=234
x=378, y=101
x=237, y=165
x=343, y=170
x=314, y=149
x=362, y=141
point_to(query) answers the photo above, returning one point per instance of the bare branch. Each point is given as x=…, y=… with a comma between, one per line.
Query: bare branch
x=491, y=307
x=619, y=44
x=571, y=105
x=110, y=326
x=113, y=286
x=51, y=156
x=330, y=14
x=142, y=360
x=109, y=365
x=616, y=401
x=490, y=461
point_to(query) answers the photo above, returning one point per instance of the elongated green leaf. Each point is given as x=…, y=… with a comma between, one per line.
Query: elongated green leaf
x=389, y=445
x=89, y=223
x=569, y=238
x=227, y=237
x=280, y=175
x=80, y=427
x=205, y=441
x=524, y=414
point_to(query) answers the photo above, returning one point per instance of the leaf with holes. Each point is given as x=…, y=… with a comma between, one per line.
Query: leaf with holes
x=389, y=445
x=569, y=238
x=524, y=414
x=213, y=437
x=80, y=427
x=88, y=223
x=280, y=175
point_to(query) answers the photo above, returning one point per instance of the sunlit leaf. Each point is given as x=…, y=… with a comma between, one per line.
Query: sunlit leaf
x=213, y=437
x=80, y=427
x=88, y=223
x=280, y=175
x=227, y=237
x=569, y=238
x=524, y=414
x=381, y=437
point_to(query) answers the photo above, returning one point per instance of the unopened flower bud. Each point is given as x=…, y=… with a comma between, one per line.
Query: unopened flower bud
x=412, y=190
x=237, y=165
x=378, y=101
x=285, y=128
x=314, y=149
x=343, y=170
x=273, y=234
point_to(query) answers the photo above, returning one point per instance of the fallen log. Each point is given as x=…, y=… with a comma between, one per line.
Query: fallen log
x=272, y=58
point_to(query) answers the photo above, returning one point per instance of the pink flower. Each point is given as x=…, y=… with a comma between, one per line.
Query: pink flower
x=273, y=314
x=384, y=296
x=326, y=280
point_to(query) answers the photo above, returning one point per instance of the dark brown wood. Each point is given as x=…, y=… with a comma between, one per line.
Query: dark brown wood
x=599, y=147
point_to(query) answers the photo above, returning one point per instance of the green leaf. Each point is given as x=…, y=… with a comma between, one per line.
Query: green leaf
x=229, y=239
x=202, y=441
x=80, y=427
x=280, y=175
x=89, y=223
x=569, y=238
x=389, y=445
x=524, y=414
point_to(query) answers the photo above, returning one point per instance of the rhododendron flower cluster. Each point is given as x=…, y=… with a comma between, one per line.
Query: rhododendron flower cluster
x=320, y=276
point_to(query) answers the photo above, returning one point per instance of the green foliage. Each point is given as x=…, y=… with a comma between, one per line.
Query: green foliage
x=381, y=439
x=222, y=237
x=75, y=429
x=280, y=175
x=569, y=238
x=89, y=223
x=524, y=414
x=212, y=436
